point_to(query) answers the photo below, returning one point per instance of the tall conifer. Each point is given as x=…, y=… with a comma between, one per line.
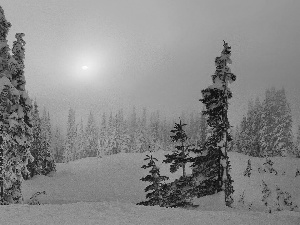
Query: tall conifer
x=15, y=120
x=214, y=153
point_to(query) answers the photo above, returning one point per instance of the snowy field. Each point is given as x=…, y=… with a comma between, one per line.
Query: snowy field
x=105, y=191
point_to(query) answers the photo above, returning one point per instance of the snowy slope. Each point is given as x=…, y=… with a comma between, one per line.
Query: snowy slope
x=105, y=191
x=114, y=213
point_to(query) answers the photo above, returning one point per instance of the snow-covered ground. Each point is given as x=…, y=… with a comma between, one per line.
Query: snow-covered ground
x=105, y=191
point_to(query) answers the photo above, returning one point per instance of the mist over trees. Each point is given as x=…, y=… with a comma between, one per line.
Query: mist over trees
x=266, y=129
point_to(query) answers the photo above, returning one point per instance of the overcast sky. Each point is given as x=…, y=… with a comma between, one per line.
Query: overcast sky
x=156, y=53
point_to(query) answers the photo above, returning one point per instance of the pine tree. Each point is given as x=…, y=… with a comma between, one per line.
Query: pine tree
x=180, y=191
x=154, y=197
x=15, y=120
x=35, y=167
x=214, y=163
x=284, y=142
x=80, y=142
x=133, y=125
x=103, y=135
x=143, y=141
x=180, y=157
x=110, y=141
x=276, y=132
x=48, y=164
x=123, y=137
x=154, y=131
x=203, y=130
x=91, y=133
x=58, y=146
x=296, y=152
x=71, y=137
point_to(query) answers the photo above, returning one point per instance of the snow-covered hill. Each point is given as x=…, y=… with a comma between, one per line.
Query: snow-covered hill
x=105, y=191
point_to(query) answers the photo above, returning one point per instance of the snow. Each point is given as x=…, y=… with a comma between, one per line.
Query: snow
x=105, y=190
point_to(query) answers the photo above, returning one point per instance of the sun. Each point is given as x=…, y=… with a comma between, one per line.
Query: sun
x=84, y=67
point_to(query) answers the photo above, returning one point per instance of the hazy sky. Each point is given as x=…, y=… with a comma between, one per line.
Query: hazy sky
x=155, y=53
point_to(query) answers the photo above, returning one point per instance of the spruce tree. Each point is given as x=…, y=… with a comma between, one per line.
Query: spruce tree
x=276, y=132
x=71, y=137
x=203, y=130
x=180, y=191
x=213, y=163
x=48, y=164
x=35, y=167
x=180, y=157
x=15, y=120
x=133, y=145
x=103, y=135
x=91, y=133
x=155, y=195
x=80, y=142
x=296, y=152
x=58, y=146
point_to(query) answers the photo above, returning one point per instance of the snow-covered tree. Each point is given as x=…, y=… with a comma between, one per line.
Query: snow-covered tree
x=212, y=161
x=35, y=167
x=276, y=132
x=91, y=135
x=132, y=131
x=48, y=163
x=203, y=129
x=155, y=195
x=142, y=134
x=80, y=142
x=154, y=131
x=58, y=146
x=180, y=156
x=179, y=193
x=71, y=137
x=296, y=152
x=15, y=120
x=249, y=134
x=103, y=136
x=110, y=142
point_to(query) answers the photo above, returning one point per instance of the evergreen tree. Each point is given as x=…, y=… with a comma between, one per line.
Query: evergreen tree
x=35, y=167
x=142, y=134
x=15, y=120
x=203, y=130
x=48, y=164
x=179, y=157
x=103, y=136
x=80, y=142
x=276, y=132
x=214, y=153
x=71, y=137
x=123, y=137
x=296, y=152
x=142, y=140
x=91, y=137
x=180, y=191
x=154, y=197
x=110, y=141
x=133, y=127
x=154, y=131
x=58, y=146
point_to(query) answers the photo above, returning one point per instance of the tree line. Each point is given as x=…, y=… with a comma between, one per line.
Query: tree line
x=119, y=133
x=266, y=129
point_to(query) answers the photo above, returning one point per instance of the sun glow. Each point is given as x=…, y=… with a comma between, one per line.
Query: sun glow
x=84, y=67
